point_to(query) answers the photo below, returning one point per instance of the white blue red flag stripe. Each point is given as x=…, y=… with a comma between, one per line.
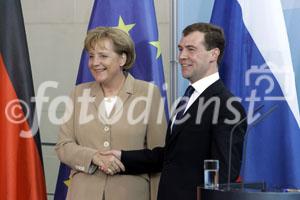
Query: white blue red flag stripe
x=257, y=67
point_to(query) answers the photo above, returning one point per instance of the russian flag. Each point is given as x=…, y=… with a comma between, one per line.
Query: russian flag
x=257, y=67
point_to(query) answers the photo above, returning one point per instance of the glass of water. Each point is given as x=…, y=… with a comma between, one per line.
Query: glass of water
x=211, y=174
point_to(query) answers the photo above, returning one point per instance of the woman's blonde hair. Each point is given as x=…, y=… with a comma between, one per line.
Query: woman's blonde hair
x=122, y=43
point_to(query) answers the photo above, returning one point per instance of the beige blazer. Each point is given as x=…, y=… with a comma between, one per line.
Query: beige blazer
x=137, y=121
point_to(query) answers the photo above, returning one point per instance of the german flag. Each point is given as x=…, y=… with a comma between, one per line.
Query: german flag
x=21, y=168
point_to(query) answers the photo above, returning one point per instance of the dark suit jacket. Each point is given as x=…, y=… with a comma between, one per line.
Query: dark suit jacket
x=181, y=160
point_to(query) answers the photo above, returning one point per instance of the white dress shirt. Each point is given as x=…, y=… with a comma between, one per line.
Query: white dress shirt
x=109, y=103
x=199, y=87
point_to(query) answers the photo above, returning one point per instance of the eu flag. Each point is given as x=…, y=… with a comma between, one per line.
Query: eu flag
x=137, y=18
x=257, y=67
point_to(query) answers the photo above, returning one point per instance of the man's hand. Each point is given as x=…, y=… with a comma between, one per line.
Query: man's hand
x=108, y=163
x=116, y=153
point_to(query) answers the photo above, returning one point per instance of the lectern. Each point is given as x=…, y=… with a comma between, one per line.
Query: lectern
x=244, y=192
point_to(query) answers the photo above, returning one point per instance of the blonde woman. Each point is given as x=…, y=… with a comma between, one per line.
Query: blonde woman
x=116, y=111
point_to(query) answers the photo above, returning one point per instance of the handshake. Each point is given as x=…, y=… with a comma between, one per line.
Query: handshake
x=109, y=161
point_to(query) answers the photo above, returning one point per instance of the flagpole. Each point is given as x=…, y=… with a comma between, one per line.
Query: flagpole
x=173, y=53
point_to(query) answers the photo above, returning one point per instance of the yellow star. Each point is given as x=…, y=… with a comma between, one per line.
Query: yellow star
x=123, y=26
x=67, y=182
x=157, y=45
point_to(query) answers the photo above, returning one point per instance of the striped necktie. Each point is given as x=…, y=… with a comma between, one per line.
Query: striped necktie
x=183, y=101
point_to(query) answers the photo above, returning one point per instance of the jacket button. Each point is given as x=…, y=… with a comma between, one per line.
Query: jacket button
x=106, y=128
x=106, y=144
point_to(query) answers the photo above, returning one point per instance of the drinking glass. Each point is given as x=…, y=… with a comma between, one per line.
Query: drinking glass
x=211, y=174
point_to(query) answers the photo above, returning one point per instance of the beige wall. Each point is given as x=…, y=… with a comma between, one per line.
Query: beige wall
x=55, y=32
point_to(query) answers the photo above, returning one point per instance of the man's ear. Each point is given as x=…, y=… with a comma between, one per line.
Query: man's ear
x=215, y=52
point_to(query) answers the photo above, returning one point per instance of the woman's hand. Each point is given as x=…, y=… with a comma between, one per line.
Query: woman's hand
x=108, y=163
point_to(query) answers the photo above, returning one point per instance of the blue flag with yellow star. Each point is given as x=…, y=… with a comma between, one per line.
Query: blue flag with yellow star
x=137, y=18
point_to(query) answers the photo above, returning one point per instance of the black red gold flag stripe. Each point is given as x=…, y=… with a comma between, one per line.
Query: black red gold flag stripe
x=21, y=168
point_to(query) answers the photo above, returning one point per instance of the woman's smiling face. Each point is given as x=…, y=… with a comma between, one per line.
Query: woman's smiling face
x=104, y=63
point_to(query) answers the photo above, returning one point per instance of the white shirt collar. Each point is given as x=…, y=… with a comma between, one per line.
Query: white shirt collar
x=199, y=87
x=205, y=82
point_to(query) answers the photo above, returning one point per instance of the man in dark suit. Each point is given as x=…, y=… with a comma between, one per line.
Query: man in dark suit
x=200, y=129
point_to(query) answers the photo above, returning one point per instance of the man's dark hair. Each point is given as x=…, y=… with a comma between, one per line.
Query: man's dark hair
x=213, y=36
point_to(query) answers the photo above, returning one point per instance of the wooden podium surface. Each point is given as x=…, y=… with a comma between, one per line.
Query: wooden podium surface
x=236, y=194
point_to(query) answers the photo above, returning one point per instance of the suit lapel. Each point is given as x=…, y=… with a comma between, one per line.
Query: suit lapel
x=97, y=94
x=124, y=94
x=168, y=135
x=209, y=92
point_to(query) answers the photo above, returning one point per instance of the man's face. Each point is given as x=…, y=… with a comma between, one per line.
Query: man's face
x=196, y=62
